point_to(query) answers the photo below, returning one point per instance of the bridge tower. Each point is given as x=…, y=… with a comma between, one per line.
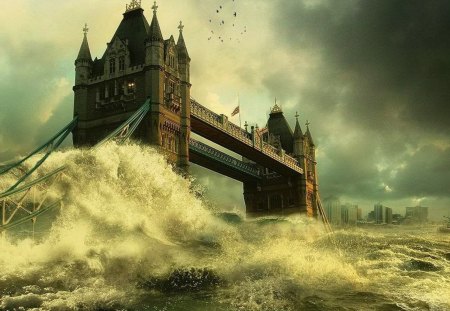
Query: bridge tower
x=284, y=194
x=138, y=64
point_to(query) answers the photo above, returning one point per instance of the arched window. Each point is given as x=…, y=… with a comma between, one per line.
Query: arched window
x=112, y=65
x=121, y=63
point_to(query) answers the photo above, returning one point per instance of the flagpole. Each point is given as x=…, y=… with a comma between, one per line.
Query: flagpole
x=239, y=105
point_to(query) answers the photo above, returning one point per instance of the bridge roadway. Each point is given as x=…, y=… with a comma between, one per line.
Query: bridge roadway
x=218, y=129
x=222, y=163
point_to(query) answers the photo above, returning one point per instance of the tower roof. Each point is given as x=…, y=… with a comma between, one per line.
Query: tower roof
x=298, y=130
x=181, y=45
x=278, y=125
x=85, y=52
x=308, y=134
x=155, y=31
x=133, y=30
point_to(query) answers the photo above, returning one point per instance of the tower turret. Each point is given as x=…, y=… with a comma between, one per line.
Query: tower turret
x=83, y=63
x=310, y=155
x=298, y=138
x=83, y=69
x=155, y=76
x=183, y=56
x=155, y=42
x=185, y=87
x=311, y=166
x=308, y=135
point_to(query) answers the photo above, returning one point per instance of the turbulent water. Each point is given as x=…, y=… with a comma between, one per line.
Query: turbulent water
x=134, y=235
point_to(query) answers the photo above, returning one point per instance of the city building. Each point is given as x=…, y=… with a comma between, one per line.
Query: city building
x=380, y=214
x=388, y=212
x=349, y=214
x=416, y=214
x=359, y=214
x=333, y=211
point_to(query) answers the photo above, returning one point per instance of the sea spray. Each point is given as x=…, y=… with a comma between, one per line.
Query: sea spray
x=132, y=234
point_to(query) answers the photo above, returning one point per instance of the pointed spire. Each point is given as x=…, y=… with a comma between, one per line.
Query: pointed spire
x=298, y=130
x=181, y=45
x=134, y=5
x=84, y=53
x=308, y=134
x=155, y=31
x=276, y=108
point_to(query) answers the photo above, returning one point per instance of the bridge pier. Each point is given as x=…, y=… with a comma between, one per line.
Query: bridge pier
x=278, y=195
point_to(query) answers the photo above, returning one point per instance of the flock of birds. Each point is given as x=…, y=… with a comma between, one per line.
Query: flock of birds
x=223, y=31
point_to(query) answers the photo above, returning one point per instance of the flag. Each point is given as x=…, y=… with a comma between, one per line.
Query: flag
x=235, y=111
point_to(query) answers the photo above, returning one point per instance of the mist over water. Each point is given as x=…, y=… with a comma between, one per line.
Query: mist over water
x=134, y=235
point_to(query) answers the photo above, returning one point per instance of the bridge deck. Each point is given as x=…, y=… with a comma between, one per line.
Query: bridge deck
x=222, y=163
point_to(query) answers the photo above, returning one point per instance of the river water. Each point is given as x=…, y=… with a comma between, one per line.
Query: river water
x=133, y=235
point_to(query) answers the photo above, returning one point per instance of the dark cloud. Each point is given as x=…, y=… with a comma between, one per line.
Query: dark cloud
x=378, y=89
x=391, y=56
x=426, y=173
x=34, y=101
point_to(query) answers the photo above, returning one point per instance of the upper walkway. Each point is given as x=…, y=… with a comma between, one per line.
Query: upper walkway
x=218, y=129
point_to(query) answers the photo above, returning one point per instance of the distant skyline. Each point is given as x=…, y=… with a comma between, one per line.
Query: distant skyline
x=371, y=76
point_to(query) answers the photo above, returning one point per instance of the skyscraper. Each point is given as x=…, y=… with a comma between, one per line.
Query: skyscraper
x=379, y=213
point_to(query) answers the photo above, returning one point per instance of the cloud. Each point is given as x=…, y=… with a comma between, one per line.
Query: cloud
x=377, y=90
x=30, y=95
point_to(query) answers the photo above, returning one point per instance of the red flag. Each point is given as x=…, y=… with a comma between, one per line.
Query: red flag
x=235, y=111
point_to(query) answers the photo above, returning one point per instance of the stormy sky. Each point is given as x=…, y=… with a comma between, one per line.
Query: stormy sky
x=372, y=77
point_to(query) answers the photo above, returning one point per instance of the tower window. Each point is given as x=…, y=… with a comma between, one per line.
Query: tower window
x=121, y=63
x=171, y=61
x=112, y=65
x=131, y=87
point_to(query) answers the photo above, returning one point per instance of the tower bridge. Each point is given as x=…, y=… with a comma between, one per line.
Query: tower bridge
x=141, y=88
x=278, y=167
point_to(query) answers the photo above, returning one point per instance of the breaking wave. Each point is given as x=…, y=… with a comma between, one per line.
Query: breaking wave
x=134, y=235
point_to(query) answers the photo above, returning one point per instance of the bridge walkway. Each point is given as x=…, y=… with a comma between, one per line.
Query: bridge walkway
x=218, y=129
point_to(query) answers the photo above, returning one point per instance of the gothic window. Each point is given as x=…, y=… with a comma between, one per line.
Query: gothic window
x=171, y=60
x=112, y=65
x=170, y=87
x=121, y=63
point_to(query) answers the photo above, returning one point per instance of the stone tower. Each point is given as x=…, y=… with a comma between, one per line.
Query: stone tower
x=138, y=64
x=276, y=194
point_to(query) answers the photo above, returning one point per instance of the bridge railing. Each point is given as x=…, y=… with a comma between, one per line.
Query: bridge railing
x=255, y=141
x=205, y=114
